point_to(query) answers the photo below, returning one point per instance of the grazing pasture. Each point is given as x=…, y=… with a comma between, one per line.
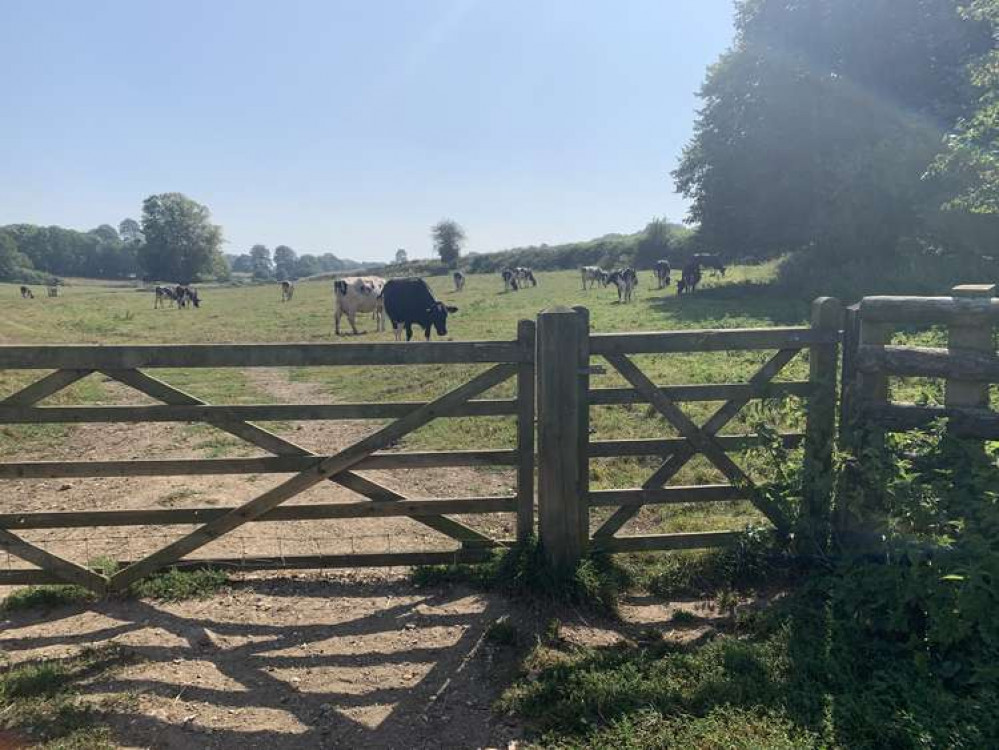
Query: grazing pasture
x=743, y=298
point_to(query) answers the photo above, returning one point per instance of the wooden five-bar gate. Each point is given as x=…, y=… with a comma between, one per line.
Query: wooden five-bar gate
x=553, y=361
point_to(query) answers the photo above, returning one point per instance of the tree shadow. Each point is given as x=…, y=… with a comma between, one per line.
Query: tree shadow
x=744, y=299
x=388, y=666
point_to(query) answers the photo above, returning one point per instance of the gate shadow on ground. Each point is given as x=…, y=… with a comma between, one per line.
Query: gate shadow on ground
x=386, y=667
x=711, y=305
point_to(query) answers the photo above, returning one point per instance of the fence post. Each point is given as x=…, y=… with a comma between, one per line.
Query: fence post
x=820, y=431
x=857, y=523
x=563, y=419
x=970, y=333
x=525, y=432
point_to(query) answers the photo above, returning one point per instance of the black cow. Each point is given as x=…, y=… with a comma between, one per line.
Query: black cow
x=709, y=260
x=689, y=278
x=163, y=293
x=662, y=272
x=26, y=293
x=409, y=301
x=459, y=280
x=625, y=279
x=509, y=280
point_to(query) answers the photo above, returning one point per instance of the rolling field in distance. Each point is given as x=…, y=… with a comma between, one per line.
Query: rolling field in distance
x=254, y=314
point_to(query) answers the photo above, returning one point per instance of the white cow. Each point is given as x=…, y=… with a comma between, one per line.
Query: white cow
x=358, y=294
x=593, y=275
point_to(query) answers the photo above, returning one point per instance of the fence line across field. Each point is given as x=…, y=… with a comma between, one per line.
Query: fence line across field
x=552, y=363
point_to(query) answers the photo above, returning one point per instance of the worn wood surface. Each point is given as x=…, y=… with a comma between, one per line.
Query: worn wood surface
x=915, y=361
x=714, y=392
x=711, y=340
x=526, y=389
x=562, y=511
x=926, y=310
x=666, y=446
x=261, y=465
x=966, y=333
x=702, y=493
x=88, y=357
x=240, y=413
x=312, y=512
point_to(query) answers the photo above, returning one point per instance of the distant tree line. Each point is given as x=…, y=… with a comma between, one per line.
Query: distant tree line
x=859, y=136
x=285, y=264
x=175, y=241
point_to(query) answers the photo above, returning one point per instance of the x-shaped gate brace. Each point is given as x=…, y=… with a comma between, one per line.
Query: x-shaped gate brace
x=335, y=468
x=699, y=440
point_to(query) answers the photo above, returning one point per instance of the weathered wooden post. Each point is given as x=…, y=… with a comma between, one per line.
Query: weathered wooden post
x=856, y=525
x=820, y=429
x=970, y=330
x=525, y=432
x=563, y=426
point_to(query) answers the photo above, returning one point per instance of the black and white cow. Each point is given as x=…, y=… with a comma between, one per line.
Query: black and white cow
x=709, y=260
x=593, y=275
x=525, y=276
x=409, y=302
x=510, y=283
x=625, y=279
x=459, y=280
x=287, y=291
x=662, y=271
x=690, y=277
x=163, y=294
x=358, y=294
x=26, y=293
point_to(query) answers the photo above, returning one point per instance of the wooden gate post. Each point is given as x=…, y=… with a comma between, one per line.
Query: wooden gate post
x=563, y=427
x=970, y=332
x=820, y=431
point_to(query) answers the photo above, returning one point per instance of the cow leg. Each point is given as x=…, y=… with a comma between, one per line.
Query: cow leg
x=336, y=320
x=351, y=317
x=396, y=331
x=409, y=331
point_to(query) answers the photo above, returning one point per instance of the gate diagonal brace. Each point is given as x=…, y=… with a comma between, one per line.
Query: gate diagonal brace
x=326, y=469
x=15, y=545
x=278, y=445
x=700, y=439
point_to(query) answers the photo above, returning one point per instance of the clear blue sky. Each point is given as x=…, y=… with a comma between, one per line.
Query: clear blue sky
x=351, y=127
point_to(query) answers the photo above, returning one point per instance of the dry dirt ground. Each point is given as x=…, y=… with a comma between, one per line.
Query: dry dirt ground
x=349, y=659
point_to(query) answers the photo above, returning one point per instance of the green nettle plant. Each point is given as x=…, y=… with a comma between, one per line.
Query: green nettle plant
x=938, y=594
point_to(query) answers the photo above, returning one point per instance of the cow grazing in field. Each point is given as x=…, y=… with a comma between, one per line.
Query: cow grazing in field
x=358, y=294
x=625, y=279
x=689, y=278
x=525, y=276
x=509, y=280
x=409, y=302
x=459, y=280
x=593, y=275
x=53, y=290
x=163, y=294
x=191, y=297
x=709, y=260
x=662, y=271
x=26, y=293
x=287, y=291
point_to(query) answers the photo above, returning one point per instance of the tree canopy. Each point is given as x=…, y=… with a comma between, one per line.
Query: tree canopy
x=448, y=238
x=818, y=127
x=181, y=243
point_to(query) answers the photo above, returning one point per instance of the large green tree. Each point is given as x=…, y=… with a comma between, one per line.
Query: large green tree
x=284, y=262
x=818, y=126
x=972, y=156
x=260, y=262
x=12, y=262
x=448, y=237
x=181, y=242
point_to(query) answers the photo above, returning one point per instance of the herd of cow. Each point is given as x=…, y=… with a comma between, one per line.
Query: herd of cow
x=626, y=279
x=409, y=302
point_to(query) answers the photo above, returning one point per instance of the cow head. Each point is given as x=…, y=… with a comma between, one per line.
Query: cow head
x=437, y=313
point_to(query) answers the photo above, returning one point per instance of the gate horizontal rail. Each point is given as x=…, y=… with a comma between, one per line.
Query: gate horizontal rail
x=258, y=355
